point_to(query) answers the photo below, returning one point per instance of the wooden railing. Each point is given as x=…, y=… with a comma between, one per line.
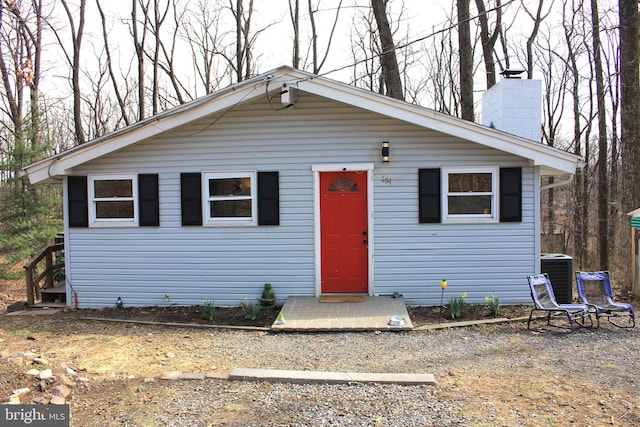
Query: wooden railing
x=34, y=279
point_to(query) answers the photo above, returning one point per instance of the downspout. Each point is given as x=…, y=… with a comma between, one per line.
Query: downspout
x=557, y=184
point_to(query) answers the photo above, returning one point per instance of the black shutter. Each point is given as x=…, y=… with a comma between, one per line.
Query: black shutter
x=191, y=198
x=148, y=200
x=510, y=194
x=429, y=195
x=268, y=198
x=78, y=199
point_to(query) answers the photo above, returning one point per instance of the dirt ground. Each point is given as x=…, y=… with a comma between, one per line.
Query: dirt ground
x=516, y=382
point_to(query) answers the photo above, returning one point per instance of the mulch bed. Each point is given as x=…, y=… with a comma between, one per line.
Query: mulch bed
x=235, y=316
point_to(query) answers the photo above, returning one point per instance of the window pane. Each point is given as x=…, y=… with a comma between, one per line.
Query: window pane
x=113, y=188
x=460, y=205
x=230, y=187
x=231, y=209
x=122, y=209
x=470, y=182
x=344, y=185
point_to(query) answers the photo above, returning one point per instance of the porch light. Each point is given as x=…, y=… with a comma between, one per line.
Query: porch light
x=385, y=152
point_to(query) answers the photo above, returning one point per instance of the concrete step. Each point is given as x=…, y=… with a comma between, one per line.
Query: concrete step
x=322, y=377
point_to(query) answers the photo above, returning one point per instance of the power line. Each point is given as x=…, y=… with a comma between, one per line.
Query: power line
x=418, y=40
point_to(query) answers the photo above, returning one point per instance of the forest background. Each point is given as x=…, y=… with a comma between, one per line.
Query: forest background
x=74, y=70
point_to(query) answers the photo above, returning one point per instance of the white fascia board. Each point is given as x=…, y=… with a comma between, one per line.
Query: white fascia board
x=48, y=169
x=551, y=160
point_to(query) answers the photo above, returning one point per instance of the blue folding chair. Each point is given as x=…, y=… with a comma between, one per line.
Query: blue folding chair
x=596, y=292
x=544, y=299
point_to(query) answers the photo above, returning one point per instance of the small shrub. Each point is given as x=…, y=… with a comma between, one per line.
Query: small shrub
x=475, y=310
x=209, y=309
x=456, y=305
x=251, y=309
x=493, y=303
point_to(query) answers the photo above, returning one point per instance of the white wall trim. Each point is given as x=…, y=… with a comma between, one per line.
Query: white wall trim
x=346, y=167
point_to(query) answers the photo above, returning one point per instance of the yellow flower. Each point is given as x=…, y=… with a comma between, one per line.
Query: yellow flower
x=464, y=295
x=486, y=299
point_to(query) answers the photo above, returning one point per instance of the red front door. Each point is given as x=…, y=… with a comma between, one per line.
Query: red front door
x=343, y=232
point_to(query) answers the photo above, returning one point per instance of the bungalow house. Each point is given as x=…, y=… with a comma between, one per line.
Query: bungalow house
x=306, y=183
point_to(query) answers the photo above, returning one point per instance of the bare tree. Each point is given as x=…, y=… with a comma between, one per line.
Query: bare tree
x=629, y=16
x=574, y=48
x=489, y=38
x=139, y=45
x=555, y=75
x=294, y=13
x=74, y=61
x=444, y=74
x=603, y=150
x=537, y=20
x=390, y=69
x=244, y=40
x=465, y=53
x=313, y=11
x=159, y=15
x=114, y=81
x=204, y=36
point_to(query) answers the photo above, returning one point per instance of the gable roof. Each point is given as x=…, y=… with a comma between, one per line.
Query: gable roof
x=550, y=160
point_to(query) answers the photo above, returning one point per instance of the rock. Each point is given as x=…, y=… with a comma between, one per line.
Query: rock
x=61, y=390
x=171, y=375
x=33, y=373
x=149, y=380
x=17, y=306
x=40, y=360
x=40, y=400
x=46, y=374
x=14, y=399
x=57, y=400
x=22, y=391
x=28, y=355
x=171, y=355
x=64, y=380
x=70, y=371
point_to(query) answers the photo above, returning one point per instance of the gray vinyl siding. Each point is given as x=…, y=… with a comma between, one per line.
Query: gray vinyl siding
x=227, y=264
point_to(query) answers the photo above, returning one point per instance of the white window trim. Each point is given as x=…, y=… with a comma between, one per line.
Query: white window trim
x=470, y=218
x=113, y=222
x=230, y=222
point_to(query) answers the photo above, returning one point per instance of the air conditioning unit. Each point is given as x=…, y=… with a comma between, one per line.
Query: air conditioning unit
x=559, y=267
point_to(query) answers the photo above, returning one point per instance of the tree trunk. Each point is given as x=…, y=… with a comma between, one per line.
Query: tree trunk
x=603, y=149
x=630, y=100
x=139, y=47
x=294, y=12
x=489, y=40
x=388, y=60
x=466, y=60
x=75, y=68
x=112, y=76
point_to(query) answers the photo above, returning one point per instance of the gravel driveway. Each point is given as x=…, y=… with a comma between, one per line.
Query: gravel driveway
x=500, y=375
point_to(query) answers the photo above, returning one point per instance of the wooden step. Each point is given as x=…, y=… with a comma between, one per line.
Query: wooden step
x=49, y=305
x=54, y=295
